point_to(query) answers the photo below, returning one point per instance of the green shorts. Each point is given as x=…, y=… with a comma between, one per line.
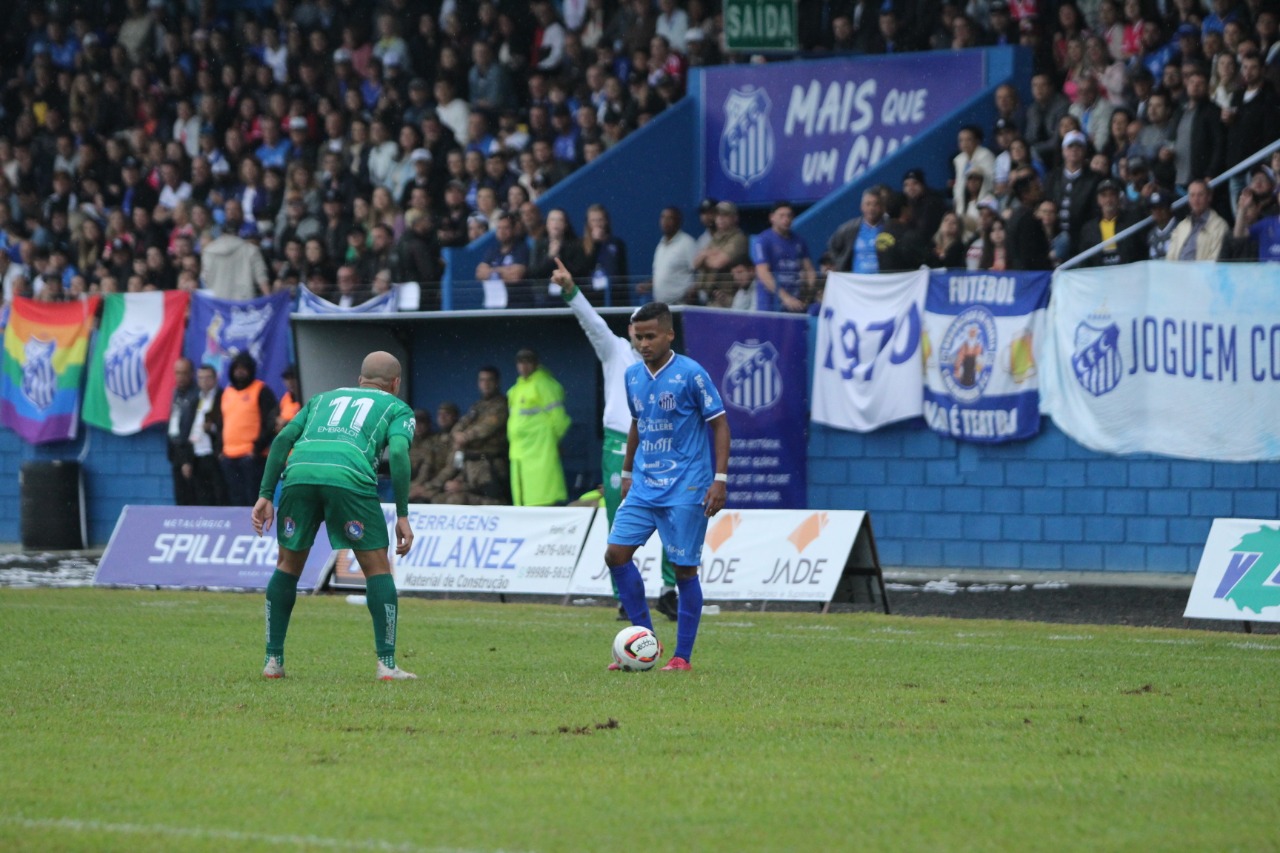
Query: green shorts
x=353, y=521
x=611, y=456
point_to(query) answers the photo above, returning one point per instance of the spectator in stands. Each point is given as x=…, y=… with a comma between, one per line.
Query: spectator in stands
x=728, y=247
x=432, y=449
x=1203, y=233
x=1157, y=236
x=673, y=257
x=418, y=258
x=926, y=207
x=995, y=246
x=1046, y=109
x=1094, y=112
x=1072, y=187
x=349, y=293
x=506, y=263
x=1198, y=136
x=1252, y=118
x=1257, y=234
x=606, y=256
x=452, y=217
x=234, y=267
x=971, y=202
x=1113, y=217
x=1029, y=246
x=949, y=244
x=707, y=218
x=557, y=240
x=1005, y=134
x=784, y=272
x=972, y=157
x=853, y=246
x=488, y=82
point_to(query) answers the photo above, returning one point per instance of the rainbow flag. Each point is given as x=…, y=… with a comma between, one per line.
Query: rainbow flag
x=45, y=345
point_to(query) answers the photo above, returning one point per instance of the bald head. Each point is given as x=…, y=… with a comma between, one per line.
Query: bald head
x=381, y=369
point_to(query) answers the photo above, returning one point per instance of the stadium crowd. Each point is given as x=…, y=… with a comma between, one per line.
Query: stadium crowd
x=247, y=147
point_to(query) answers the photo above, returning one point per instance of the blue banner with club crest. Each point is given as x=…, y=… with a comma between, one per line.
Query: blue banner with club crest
x=221, y=328
x=802, y=130
x=980, y=333
x=1176, y=358
x=759, y=364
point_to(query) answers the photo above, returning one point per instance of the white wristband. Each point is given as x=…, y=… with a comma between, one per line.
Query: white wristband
x=722, y=478
x=626, y=475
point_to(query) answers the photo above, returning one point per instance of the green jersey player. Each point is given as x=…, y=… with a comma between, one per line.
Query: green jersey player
x=328, y=454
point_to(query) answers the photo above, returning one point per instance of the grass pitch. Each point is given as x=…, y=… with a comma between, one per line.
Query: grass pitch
x=138, y=721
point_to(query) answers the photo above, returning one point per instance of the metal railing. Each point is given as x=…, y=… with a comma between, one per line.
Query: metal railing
x=1242, y=166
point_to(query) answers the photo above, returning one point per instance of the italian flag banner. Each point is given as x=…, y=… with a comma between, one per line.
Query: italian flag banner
x=131, y=381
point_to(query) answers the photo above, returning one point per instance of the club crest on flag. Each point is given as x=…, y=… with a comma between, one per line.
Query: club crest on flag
x=124, y=367
x=39, y=380
x=753, y=381
x=1096, y=358
x=747, y=144
x=967, y=354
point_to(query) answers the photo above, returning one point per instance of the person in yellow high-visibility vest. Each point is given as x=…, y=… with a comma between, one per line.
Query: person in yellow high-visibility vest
x=536, y=421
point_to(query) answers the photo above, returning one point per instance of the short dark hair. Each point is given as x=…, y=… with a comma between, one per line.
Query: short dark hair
x=489, y=368
x=1024, y=184
x=653, y=311
x=781, y=203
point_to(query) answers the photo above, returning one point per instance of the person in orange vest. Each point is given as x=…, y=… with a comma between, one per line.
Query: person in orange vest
x=249, y=411
x=291, y=402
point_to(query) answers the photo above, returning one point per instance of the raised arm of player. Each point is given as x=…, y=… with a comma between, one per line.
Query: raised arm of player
x=714, y=501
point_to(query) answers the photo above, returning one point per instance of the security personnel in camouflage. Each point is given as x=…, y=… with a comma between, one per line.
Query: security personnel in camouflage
x=478, y=469
x=431, y=453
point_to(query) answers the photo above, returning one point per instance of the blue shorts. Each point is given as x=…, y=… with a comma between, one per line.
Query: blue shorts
x=681, y=528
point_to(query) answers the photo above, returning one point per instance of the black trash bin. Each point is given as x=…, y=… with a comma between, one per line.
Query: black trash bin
x=53, y=517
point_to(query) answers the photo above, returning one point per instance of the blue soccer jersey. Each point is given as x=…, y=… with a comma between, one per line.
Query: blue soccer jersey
x=673, y=464
x=785, y=257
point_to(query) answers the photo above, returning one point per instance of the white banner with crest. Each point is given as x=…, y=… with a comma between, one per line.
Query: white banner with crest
x=1176, y=358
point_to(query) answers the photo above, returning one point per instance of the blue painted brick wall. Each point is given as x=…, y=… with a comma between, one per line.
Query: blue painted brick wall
x=1043, y=504
x=1047, y=503
x=118, y=470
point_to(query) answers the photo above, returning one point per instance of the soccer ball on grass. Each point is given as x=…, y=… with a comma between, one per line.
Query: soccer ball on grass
x=636, y=649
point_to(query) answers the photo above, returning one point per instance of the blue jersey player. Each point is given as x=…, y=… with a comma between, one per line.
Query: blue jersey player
x=669, y=483
x=783, y=268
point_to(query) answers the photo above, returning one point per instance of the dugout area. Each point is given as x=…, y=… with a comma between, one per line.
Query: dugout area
x=442, y=352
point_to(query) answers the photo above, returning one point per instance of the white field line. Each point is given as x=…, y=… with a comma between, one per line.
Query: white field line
x=1074, y=647
x=305, y=842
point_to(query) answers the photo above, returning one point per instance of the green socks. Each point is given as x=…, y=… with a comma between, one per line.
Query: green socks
x=381, y=599
x=282, y=592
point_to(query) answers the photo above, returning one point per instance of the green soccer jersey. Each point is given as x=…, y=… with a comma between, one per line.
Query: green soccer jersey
x=342, y=434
